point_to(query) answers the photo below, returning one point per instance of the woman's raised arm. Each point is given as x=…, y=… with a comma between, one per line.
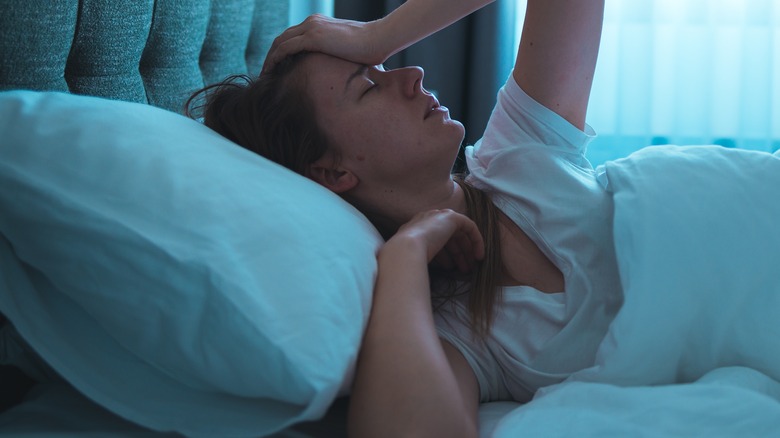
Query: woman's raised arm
x=557, y=54
x=373, y=42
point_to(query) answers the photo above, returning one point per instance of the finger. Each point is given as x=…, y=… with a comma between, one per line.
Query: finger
x=310, y=24
x=290, y=32
x=278, y=52
x=443, y=261
x=467, y=240
x=472, y=250
x=272, y=57
x=287, y=48
x=476, y=242
x=458, y=256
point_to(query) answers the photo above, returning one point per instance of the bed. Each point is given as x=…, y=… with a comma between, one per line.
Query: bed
x=156, y=279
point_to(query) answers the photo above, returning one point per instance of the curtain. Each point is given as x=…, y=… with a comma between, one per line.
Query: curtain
x=687, y=72
x=465, y=64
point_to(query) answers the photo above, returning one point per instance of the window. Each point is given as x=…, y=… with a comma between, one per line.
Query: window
x=686, y=72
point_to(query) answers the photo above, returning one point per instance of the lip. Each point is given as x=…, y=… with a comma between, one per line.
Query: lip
x=433, y=105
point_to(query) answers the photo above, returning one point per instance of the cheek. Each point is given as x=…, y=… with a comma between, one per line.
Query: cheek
x=377, y=136
x=336, y=127
x=364, y=131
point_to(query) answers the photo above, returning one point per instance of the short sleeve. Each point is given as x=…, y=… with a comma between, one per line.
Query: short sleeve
x=518, y=121
x=531, y=162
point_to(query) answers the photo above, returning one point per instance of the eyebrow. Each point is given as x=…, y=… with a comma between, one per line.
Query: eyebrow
x=361, y=70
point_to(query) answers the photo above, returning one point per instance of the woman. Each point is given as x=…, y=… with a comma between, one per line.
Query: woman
x=523, y=230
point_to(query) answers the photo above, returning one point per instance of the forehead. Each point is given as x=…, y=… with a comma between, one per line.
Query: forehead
x=327, y=76
x=326, y=68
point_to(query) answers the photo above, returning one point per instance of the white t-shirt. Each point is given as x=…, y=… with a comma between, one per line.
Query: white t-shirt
x=533, y=163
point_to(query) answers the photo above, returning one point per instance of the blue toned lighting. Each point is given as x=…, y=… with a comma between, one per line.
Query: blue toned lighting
x=690, y=71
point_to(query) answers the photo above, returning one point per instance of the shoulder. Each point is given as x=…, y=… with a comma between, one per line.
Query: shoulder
x=518, y=122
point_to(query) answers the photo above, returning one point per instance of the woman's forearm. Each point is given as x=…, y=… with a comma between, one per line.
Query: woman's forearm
x=404, y=385
x=370, y=43
x=417, y=19
x=557, y=54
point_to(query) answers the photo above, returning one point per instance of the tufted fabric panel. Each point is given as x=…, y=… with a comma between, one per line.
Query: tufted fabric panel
x=110, y=38
x=226, y=39
x=169, y=65
x=269, y=19
x=151, y=51
x=35, y=39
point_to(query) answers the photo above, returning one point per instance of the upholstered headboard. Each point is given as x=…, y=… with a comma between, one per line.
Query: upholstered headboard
x=149, y=51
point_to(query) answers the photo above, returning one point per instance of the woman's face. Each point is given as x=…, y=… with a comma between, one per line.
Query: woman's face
x=385, y=126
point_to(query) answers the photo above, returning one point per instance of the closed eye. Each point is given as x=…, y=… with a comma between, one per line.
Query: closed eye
x=372, y=87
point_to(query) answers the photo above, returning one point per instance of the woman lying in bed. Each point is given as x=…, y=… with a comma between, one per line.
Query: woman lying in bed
x=518, y=256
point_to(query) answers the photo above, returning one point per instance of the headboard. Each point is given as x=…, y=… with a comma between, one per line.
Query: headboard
x=149, y=51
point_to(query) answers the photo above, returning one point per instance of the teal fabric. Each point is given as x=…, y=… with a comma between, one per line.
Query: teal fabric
x=169, y=65
x=149, y=51
x=35, y=39
x=226, y=39
x=110, y=38
x=270, y=18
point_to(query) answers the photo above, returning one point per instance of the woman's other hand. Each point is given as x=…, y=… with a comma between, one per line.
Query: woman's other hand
x=449, y=239
x=354, y=41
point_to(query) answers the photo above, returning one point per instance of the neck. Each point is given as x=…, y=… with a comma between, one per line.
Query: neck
x=393, y=208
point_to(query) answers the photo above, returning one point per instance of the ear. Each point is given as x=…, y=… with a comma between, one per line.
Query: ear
x=337, y=180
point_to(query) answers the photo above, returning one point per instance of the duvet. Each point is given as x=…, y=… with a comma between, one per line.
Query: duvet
x=694, y=351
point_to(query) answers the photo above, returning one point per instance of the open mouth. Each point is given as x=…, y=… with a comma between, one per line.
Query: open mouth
x=433, y=106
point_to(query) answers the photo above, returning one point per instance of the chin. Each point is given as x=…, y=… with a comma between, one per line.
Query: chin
x=458, y=130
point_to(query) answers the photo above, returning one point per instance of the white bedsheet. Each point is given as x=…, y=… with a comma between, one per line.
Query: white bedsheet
x=728, y=402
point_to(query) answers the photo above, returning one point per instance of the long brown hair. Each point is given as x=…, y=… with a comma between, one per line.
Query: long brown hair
x=483, y=284
x=273, y=116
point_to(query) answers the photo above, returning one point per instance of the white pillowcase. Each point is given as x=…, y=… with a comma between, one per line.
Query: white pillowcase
x=173, y=277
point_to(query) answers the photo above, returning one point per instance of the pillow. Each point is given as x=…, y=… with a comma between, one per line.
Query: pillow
x=175, y=278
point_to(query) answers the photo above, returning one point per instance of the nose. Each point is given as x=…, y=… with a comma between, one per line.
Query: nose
x=410, y=80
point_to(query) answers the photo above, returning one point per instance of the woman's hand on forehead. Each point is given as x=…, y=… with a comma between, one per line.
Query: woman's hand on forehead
x=354, y=41
x=370, y=43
